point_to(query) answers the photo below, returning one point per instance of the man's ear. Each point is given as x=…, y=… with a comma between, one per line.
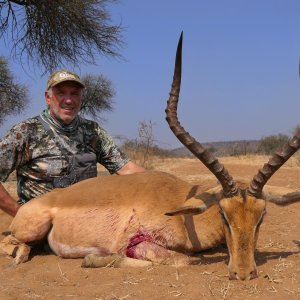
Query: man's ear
x=47, y=97
x=192, y=206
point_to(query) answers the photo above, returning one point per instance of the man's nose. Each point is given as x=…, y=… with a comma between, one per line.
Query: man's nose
x=68, y=98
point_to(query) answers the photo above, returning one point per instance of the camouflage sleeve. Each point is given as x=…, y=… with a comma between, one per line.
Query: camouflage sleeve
x=14, y=150
x=109, y=154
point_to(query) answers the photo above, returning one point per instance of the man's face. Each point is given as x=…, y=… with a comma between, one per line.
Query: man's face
x=64, y=102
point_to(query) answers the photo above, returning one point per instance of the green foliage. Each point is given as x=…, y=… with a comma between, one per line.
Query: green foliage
x=270, y=144
x=13, y=95
x=58, y=32
x=97, y=95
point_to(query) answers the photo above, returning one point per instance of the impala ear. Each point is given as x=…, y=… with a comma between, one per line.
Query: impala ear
x=284, y=199
x=187, y=210
x=192, y=206
x=281, y=196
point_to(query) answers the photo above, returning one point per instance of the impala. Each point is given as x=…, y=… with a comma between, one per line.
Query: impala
x=154, y=216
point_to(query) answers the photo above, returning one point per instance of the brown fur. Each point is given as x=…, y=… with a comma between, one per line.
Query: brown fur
x=242, y=217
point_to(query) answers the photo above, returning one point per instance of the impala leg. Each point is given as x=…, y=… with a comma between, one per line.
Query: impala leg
x=114, y=260
x=31, y=224
x=13, y=247
x=142, y=255
x=159, y=255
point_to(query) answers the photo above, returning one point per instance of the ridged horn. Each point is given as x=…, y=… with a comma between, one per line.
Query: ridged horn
x=274, y=163
x=207, y=158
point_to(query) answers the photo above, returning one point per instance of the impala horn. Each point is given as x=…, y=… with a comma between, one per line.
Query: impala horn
x=207, y=158
x=274, y=163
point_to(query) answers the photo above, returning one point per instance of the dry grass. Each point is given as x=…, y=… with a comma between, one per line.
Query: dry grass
x=166, y=164
x=49, y=277
x=257, y=160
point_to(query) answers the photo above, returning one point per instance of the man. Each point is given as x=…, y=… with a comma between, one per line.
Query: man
x=58, y=147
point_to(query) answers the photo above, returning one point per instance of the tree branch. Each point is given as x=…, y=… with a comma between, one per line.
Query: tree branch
x=23, y=3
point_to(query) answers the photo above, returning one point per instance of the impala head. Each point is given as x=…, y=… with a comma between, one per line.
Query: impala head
x=242, y=207
x=242, y=216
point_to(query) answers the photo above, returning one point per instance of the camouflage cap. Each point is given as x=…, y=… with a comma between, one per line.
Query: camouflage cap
x=62, y=76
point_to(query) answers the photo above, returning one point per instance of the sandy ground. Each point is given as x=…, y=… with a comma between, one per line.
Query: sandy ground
x=47, y=276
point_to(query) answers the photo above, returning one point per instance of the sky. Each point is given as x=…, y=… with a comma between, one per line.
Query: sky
x=240, y=77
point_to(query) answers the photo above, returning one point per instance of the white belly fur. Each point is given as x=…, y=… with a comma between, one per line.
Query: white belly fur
x=67, y=251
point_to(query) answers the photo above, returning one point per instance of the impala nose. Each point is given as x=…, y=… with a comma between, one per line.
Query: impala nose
x=243, y=275
x=232, y=276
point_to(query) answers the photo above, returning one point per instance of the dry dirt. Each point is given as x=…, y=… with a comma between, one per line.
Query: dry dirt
x=47, y=276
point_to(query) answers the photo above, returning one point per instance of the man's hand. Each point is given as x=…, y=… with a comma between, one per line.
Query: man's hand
x=130, y=168
x=7, y=203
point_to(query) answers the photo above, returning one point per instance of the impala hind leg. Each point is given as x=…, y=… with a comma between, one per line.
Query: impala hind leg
x=30, y=225
x=13, y=247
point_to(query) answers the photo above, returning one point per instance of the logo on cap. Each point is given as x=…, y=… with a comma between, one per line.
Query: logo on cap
x=65, y=75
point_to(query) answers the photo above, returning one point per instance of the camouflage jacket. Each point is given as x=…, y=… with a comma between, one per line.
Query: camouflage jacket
x=40, y=156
